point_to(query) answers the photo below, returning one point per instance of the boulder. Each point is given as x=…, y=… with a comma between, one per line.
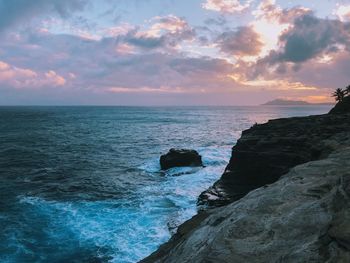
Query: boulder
x=179, y=158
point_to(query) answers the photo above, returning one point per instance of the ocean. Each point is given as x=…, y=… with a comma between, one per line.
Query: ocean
x=83, y=184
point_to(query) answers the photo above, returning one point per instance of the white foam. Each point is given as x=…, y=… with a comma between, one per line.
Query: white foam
x=151, y=166
x=215, y=155
x=131, y=229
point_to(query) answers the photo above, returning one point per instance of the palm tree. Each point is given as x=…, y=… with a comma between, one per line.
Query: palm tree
x=347, y=90
x=339, y=94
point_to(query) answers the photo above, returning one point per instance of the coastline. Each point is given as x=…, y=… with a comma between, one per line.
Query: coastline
x=91, y=182
x=278, y=173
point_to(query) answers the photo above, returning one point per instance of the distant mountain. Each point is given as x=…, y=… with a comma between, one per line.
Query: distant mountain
x=282, y=102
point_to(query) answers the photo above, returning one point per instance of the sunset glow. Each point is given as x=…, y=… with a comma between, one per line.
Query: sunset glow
x=112, y=52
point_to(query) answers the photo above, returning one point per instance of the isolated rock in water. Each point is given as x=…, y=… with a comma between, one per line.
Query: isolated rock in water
x=179, y=158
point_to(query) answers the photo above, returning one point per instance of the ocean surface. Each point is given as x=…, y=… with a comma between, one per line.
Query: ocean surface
x=83, y=184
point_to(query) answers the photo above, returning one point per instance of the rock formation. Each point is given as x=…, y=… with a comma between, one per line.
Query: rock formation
x=180, y=157
x=284, y=197
x=304, y=217
x=265, y=152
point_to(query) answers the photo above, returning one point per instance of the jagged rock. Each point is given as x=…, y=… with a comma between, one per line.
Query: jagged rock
x=180, y=157
x=303, y=217
x=286, y=197
x=267, y=151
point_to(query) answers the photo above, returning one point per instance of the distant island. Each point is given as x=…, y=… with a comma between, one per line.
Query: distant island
x=282, y=102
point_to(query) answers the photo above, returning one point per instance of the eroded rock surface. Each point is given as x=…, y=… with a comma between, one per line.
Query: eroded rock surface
x=267, y=151
x=303, y=217
x=284, y=197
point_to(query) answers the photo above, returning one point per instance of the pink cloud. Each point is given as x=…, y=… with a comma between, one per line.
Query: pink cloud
x=270, y=11
x=119, y=30
x=3, y=66
x=343, y=12
x=124, y=49
x=169, y=23
x=245, y=41
x=53, y=78
x=226, y=6
x=131, y=61
x=161, y=89
x=26, y=78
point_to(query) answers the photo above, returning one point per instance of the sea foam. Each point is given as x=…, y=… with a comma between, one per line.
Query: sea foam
x=124, y=230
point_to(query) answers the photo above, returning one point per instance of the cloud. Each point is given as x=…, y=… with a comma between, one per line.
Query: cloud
x=119, y=30
x=124, y=49
x=219, y=21
x=226, y=6
x=311, y=37
x=169, y=23
x=161, y=32
x=161, y=89
x=98, y=65
x=166, y=32
x=15, y=12
x=288, y=51
x=270, y=11
x=316, y=76
x=166, y=73
x=271, y=21
x=325, y=75
x=343, y=12
x=242, y=42
x=308, y=40
x=144, y=41
x=308, y=55
x=26, y=78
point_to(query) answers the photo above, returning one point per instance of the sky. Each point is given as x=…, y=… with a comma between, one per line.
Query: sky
x=172, y=52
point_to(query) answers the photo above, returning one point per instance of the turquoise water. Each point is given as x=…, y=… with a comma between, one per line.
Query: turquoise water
x=83, y=184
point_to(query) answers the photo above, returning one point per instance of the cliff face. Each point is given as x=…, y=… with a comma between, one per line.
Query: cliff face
x=265, y=152
x=304, y=217
x=284, y=197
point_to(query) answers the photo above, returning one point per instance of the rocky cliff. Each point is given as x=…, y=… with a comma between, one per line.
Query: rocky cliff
x=265, y=152
x=284, y=197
